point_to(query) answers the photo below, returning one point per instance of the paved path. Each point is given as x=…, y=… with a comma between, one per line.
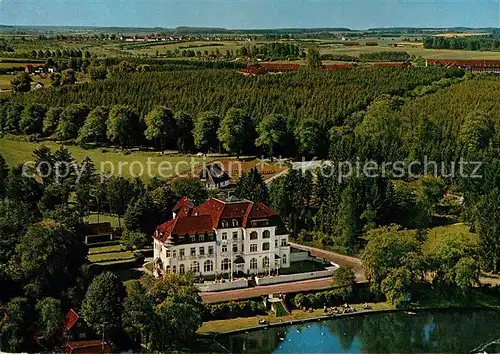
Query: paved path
x=304, y=285
x=340, y=259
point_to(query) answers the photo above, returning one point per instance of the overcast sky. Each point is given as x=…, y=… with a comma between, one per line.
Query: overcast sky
x=355, y=14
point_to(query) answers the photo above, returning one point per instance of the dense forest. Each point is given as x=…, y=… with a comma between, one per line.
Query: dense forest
x=307, y=104
x=463, y=43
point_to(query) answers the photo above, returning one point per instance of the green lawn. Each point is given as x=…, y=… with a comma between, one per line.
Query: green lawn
x=93, y=219
x=111, y=256
x=436, y=232
x=106, y=249
x=107, y=161
x=223, y=326
x=302, y=267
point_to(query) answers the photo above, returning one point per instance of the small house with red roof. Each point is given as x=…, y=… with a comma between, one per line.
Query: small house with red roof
x=465, y=64
x=222, y=236
x=75, y=328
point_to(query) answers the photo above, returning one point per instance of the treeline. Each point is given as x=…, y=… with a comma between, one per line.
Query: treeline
x=340, y=57
x=5, y=46
x=273, y=51
x=58, y=53
x=266, y=51
x=385, y=56
x=463, y=43
x=300, y=106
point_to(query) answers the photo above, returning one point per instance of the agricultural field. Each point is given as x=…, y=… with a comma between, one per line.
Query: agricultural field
x=437, y=232
x=151, y=48
x=12, y=65
x=5, y=80
x=107, y=161
x=416, y=49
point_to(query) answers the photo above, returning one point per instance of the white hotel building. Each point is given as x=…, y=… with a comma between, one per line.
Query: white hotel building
x=217, y=236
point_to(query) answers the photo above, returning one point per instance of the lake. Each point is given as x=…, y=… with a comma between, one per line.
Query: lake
x=449, y=331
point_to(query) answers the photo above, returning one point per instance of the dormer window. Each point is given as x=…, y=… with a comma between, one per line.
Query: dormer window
x=225, y=224
x=235, y=223
x=193, y=238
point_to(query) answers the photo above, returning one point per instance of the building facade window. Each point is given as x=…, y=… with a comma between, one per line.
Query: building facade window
x=224, y=235
x=235, y=235
x=168, y=253
x=181, y=253
x=174, y=269
x=265, y=262
x=225, y=264
x=266, y=234
x=253, y=263
x=193, y=251
x=208, y=266
x=174, y=253
x=201, y=238
x=275, y=243
x=224, y=248
x=201, y=251
x=167, y=269
x=283, y=259
x=182, y=269
x=210, y=250
x=195, y=267
x=253, y=235
x=235, y=248
x=265, y=246
x=283, y=242
x=253, y=247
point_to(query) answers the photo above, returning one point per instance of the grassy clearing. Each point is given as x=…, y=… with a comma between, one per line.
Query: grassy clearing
x=5, y=81
x=233, y=324
x=111, y=256
x=413, y=48
x=436, y=232
x=11, y=65
x=106, y=249
x=193, y=45
x=302, y=267
x=108, y=161
x=94, y=218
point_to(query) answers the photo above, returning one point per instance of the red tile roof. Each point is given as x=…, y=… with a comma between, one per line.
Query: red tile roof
x=463, y=63
x=252, y=69
x=184, y=225
x=70, y=319
x=269, y=67
x=184, y=201
x=210, y=215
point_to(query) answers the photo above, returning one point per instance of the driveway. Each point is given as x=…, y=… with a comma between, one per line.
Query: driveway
x=304, y=285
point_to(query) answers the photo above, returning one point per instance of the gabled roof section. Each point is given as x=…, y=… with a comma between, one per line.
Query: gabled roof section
x=214, y=173
x=184, y=225
x=70, y=319
x=212, y=214
x=184, y=201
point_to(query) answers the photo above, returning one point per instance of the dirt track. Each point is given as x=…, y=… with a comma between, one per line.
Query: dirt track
x=305, y=285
